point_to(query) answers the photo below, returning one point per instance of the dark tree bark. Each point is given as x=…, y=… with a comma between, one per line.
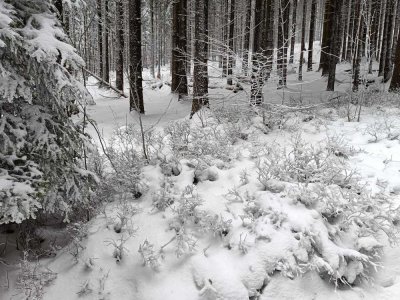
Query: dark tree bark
x=59, y=6
x=395, y=83
x=200, y=73
x=311, y=35
x=135, y=57
x=106, y=75
x=327, y=37
x=303, y=42
x=334, y=44
x=100, y=37
x=152, y=41
x=119, y=45
x=257, y=80
x=294, y=24
x=247, y=38
x=359, y=23
x=230, y=41
x=179, y=48
x=387, y=70
x=382, y=58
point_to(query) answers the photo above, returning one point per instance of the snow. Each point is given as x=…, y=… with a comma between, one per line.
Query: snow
x=260, y=255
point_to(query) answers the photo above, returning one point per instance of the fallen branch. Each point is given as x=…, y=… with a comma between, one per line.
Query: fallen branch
x=121, y=93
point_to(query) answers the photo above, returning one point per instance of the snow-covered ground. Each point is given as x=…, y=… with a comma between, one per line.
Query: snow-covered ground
x=261, y=238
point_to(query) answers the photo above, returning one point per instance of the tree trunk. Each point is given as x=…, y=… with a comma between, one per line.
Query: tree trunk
x=293, y=35
x=326, y=38
x=106, y=74
x=257, y=80
x=387, y=70
x=382, y=59
x=247, y=38
x=179, y=48
x=230, y=41
x=303, y=42
x=358, y=23
x=395, y=83
x=311, y=35
x=200, y=73
x=135, y=57
x=100, y=37
x=120, y=45
x=283, y=33
x=152, y=40
x=334, y=44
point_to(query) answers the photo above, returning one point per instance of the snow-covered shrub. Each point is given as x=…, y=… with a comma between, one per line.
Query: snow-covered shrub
x=124, y=215
x=149, y=256
x=185, y=242
x=33, y=278
x=126, y=160
x=179, y=134
x=339, y=146
x=77, y=232
x=119, y=247
x=187, y=209
x=165, y=196
x=301, y=162
x=41, y=149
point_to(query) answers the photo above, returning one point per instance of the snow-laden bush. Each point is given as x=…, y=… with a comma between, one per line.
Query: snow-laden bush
x=340, y=219
x=33, y=278
x=302, y=162
x=40, y=147
x=126, y=163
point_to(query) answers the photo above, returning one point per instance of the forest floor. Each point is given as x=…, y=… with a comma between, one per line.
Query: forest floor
x=253, y=249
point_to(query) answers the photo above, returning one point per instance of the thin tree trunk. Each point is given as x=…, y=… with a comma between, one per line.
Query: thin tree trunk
x=247, y=38
x=120, y=46
x=230, y=41
x=359, y=22
x=303, y=42
x=106, y=51
x=294, y=25
x=283, y=33
x=100, y=37
x=327, y=37
x=395, y=83
x=311, y=35
x=382, y=59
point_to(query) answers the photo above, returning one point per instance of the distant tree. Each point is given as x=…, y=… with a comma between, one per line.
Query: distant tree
x=200, y=73
x=395, y=83
x=387, y=69
x=326, y=38
x=230, y=40
x=283, y=40
x=100, y=37
x=119, y=45
x=311, y=35
x=359, y=24
x=135, y=57
x=334, y=46
x=179, y=48
x=293, y=33
x=303, y=43
x=105, y=44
